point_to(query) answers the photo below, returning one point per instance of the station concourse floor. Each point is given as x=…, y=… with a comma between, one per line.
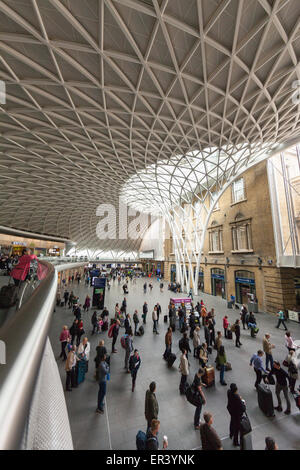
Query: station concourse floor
x=116, y=429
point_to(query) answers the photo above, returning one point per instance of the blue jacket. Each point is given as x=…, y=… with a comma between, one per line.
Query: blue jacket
x=103, y=371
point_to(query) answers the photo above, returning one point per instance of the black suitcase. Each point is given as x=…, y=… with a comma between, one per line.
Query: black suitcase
x=229, y=334
x=209, y=350
x=265, y=400
x=229, y=304
x=171, y=359
x=141, y=330
x=173, y=326
x=8, y=296
x=183, y=389
x=165, y=318
x=246, y=442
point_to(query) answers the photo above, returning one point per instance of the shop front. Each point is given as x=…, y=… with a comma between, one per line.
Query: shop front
x=200, y=279
x=244, y=287
x=17, y=248
x=218, y=282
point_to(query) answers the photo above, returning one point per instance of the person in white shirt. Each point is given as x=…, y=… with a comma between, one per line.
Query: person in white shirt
x=289, y=342
x=83, y=351
x=155, y=318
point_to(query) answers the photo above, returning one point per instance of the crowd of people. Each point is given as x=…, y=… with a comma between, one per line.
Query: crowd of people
x=191, y=323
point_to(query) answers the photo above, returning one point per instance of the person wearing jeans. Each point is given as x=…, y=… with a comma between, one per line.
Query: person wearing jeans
x=256, y=360
x=281, y=319
x=267, y=347
x=103, y=371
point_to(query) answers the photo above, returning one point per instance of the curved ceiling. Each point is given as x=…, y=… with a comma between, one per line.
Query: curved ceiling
x=98, y=91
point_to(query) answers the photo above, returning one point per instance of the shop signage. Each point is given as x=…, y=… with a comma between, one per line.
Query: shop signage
x=244, y=280
x=294, y=316
x=19, y=243
x=218, y=276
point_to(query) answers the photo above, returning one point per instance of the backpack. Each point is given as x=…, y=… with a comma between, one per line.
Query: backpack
x=123, y=341
x=110, y=331
x=141, y=440
x=232, y=328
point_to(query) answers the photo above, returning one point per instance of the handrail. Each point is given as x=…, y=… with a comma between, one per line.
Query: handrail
x=25, y=336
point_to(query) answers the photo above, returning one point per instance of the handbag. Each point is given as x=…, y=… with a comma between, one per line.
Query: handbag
x=245, y=425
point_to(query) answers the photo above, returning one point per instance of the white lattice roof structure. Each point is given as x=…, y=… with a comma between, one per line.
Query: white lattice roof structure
x=110, y=97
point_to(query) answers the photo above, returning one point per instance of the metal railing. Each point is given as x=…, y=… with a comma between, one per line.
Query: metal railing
x=24, y=336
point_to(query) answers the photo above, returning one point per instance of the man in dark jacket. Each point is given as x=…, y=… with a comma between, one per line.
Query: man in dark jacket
x=282, y=381
x=158, y=311
x=192, y=324
x=115, y=333
x=134, y=365
x=145, y=311
x=236, y=407
x=103, y=370
x=184, y=344
x=209, y=438
x=151, y=404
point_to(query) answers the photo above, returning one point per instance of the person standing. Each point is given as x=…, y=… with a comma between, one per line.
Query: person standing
x=136, y=322
x=100, y=351
x=151, y=404
x=94, y=321
x=158, y=311
x=292, y=370
x=192, y=324
x=155, y=318
x=134, y=365
x=270, y=444
x=87, y=303
x=184, y=369
x=291, y=346
x=218, y=342
x=66, y=297
x=222, y=361
x=196, y=341
x=127, y=324
x=197, y=386
x=236, y=407
x=237, y=331
x=281, y=318
x=80, y=332
x=115, y=333
x=256, y=360
x=145, y=311
x=225, y=325
x=209, y=438
x=83, y=351
x=128, y=349
x=168, y=343
x=244, y=313
x=70, y=368
x=64, y=339
x=282, y=381
x=103, y=371
x=184, y=344
x=152, y=441
x=267, y=348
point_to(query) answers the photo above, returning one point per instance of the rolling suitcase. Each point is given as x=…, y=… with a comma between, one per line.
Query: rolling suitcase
x=265, y=400
x=297, y=400
x=141, y=330
x=8, y=296
x=209, y=376
x=165, y=318
x=183, y=389
x=171, y=359
x=229, y=334
x=81, y=371
x=246, y=442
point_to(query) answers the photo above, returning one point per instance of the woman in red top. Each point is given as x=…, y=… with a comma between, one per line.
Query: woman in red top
x=20, y=272
x=225, y=325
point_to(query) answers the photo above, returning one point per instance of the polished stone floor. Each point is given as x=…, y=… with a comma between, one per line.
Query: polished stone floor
x=124, y=416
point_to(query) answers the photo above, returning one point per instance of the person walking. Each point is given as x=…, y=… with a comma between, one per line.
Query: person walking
x=155, y=319
x=197, y=387
x=64, y=339
x=282, y=381
x=236, y=407
x=225, y=325
x=66, y=297
x=94, y=321
x=145, y=311
x=256, y=361
x=151, y=404
x=70, y=368
x=196, y=341
x=136, y=322
x=281, y=318
x=292, y=370
x=80, y=332
x=291, y=346
x=73, y=331
x=221, y=360
x=168, y=343
x=237, y=331
x=103, y=371
x=184, y=344
x=158, y=307
x=87, y=303
x=115, y=333
x=267, y=348
x=209, y=438
x=184, y=369
x=128, y=349
x=244, y=313
x=134, y=365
